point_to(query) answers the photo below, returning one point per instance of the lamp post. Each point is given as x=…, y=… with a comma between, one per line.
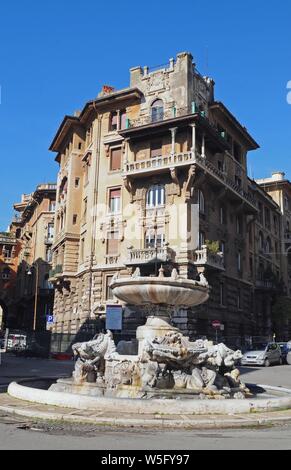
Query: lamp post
x=29, y=273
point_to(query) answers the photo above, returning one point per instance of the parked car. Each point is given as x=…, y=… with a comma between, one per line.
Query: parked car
x=262, y=354
x=285, y=349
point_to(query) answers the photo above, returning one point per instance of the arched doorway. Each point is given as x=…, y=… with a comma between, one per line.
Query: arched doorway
x=3, y=315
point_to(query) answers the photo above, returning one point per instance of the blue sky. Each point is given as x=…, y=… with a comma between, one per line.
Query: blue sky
x=56, y=55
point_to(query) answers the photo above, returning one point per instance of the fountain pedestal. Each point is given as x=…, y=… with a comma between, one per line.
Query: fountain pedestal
x=167, y=363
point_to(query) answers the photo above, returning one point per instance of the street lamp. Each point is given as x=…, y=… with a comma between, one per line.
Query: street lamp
x=29, y=273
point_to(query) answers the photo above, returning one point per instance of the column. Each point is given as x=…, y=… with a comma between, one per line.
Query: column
x=193, y=148
x=203, y=146
x=173, y=133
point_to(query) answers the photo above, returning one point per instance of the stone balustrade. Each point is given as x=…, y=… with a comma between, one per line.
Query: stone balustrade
x=148, y=255
x=204, y=257
x=151, y=165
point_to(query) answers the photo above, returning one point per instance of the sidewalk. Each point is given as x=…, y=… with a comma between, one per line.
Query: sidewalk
x=9, y=405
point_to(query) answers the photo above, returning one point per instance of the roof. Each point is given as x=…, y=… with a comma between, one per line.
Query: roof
x=253, y=145
x=80, y=121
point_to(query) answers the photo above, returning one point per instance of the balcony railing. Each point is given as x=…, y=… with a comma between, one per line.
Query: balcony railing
x=204, y=257
x=7, y=239
x=112, y=259
x=149, y=255
x=47, y=186
x=265, y=284
x=57, y=270
x=157, y=164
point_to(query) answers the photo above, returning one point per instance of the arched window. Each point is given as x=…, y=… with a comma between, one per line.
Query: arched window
x=201, y=202
x=157, y=111
x=63, y=188
x=156, y=196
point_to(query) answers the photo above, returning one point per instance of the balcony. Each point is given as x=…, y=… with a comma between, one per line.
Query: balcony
x=266, y=285
x=45, y=187
x=112, y=259
x=56, y=271
x=206, y=258
x=48, y=240
x=157, y=165
x=149, y=255
x=7, y=239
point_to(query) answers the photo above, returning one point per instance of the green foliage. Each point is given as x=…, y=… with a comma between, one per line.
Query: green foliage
x=212, y=246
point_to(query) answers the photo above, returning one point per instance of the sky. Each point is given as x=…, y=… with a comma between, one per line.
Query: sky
x=56, y=55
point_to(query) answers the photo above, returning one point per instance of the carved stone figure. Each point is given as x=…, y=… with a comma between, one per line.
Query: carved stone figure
x=91, y=356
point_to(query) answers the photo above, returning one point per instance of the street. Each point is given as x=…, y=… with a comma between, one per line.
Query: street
x=22, y=433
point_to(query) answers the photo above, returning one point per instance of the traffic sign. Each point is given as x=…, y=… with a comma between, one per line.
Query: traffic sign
x=216, y=323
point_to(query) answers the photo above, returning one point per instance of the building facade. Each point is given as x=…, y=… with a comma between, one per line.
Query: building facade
x=34, y=294
x=10, y=247
x=156, y=174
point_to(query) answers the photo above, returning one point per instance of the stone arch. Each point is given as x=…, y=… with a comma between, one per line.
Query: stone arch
x=3, y=314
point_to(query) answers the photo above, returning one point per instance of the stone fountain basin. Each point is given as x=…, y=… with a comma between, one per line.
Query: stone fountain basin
x=155, y=290
x=274, y=399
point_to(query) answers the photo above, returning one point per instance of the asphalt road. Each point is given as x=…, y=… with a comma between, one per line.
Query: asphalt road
x=61, y=436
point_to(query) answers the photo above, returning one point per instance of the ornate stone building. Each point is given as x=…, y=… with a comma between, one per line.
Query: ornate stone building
x=9, y=251
x=156, y=174
x=34, y=226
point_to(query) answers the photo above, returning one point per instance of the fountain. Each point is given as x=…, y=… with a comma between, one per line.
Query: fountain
x=168, y=364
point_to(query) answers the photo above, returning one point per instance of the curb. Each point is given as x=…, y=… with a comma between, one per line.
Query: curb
x=156, y=422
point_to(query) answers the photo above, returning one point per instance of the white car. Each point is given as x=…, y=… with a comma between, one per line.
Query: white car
x=262, y=354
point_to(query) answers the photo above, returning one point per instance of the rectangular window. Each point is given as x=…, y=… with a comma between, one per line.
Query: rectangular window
x=112, y=243
x=154, y=240
x=239, y=261
x=49, y=255
x=50, y=231
x=77, y=182
x=113, y=122
x=109, y=293
x=85, y=210
x=52, y=207
x=123, y=119
x=114, y=200
x=75, y=218
x=237, y=152
x=115, y=159
x=7, y=251
x=267, y=218
x=222, y=215
x=221, y=294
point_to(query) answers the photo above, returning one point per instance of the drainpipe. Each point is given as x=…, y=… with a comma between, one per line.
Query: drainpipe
x=95, y=199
